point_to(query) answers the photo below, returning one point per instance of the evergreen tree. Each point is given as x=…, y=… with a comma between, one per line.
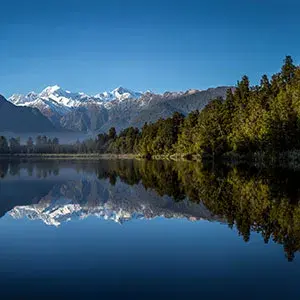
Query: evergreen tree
x=112, y=133
x=3, y=145
x=14, y=145
x=30, y=145
x=288, y=70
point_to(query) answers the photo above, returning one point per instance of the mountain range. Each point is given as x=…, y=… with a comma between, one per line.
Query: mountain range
x=119, y=108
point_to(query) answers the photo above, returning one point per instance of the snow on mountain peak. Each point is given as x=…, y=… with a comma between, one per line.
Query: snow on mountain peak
x=119, y=93
x=19, y=99
x=50, y=90
x=122, y=90
x=54, y=98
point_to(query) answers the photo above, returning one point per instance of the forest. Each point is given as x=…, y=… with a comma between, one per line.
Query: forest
x=252, y=120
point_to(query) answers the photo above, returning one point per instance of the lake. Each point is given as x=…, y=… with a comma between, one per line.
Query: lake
x=147, y=229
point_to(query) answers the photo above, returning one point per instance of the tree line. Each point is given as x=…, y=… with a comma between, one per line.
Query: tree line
x=264, y=118
x=42, y=144
x=251, y=119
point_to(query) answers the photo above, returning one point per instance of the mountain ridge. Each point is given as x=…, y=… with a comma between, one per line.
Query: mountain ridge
x=119, y=108
x=22, y=119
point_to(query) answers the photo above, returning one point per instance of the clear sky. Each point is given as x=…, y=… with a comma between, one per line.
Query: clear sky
x=160, y=45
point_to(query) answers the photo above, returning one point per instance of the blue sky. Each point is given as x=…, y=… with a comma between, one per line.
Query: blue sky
x=94, y=46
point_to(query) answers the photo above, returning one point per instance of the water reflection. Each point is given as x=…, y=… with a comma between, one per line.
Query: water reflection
x=55, y=193
x=263, y=201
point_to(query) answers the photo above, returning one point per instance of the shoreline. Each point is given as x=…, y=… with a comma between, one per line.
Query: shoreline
x=91, y=156
x=288, y=159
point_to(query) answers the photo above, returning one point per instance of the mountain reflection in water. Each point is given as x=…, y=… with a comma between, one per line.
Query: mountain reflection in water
x=260, y=201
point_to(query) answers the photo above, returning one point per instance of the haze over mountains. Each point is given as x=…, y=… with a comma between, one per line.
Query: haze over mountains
x=119, y=108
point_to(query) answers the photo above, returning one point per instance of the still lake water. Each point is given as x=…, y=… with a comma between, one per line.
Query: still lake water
x=110, y=229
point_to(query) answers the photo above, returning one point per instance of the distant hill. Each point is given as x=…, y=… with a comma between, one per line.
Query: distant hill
x=22, y=119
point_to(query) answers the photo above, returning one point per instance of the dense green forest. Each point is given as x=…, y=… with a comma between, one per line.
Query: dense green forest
x=262, y=118
x=252, y=119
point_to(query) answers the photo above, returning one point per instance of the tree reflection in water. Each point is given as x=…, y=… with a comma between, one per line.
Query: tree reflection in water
x=252, y=200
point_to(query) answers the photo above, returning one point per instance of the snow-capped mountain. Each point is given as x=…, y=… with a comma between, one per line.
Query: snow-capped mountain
x=119, y=108
x=56, y=103
x=58, y=96
x=119, y=93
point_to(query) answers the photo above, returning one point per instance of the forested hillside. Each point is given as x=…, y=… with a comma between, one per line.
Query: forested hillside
x=251, y=119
